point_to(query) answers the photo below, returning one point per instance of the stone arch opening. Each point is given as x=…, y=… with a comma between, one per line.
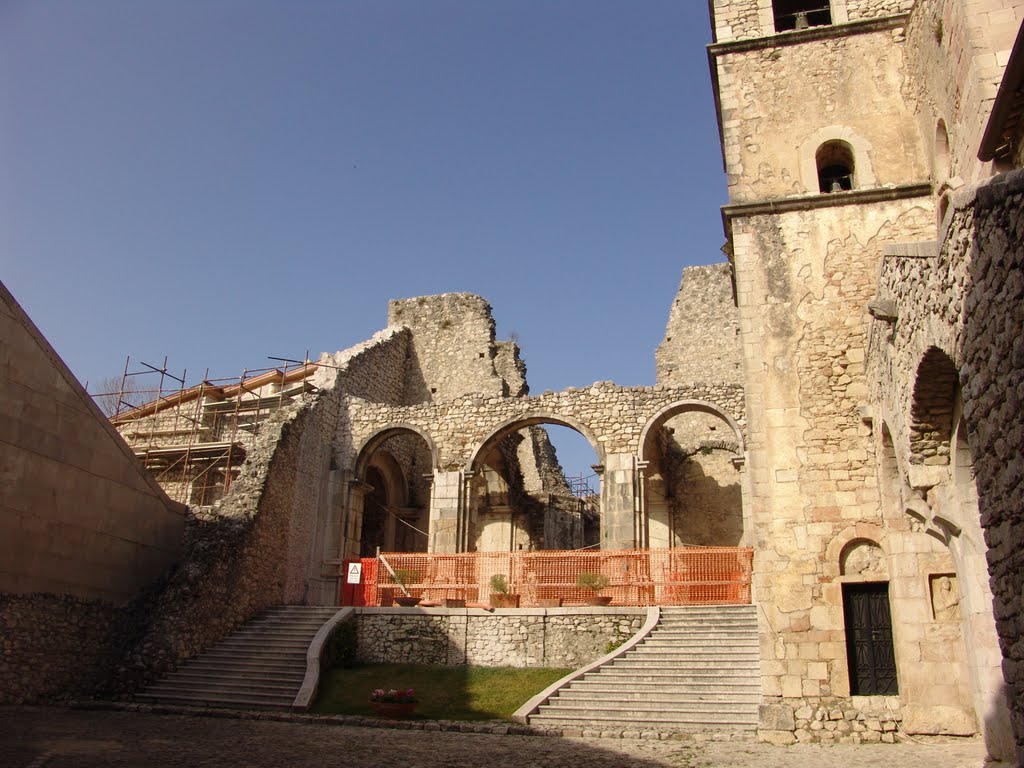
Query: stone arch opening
x=942, y=165
x=835, y=163
x=389, y=504
x=800, y=14
x=939, y=440
x=691, y=458
x=519, y=497
x=931, y=410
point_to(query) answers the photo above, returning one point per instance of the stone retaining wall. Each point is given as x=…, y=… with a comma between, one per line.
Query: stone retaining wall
x=552, y=637
x=54, y=645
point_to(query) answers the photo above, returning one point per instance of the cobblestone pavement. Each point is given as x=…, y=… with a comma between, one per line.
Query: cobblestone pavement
x=38, y=737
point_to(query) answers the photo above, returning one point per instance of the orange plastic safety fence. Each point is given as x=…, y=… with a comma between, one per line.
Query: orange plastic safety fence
x=682, y=576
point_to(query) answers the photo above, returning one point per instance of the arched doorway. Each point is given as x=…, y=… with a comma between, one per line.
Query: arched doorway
x=520, y=498
x=692, y=469
x=389, y=507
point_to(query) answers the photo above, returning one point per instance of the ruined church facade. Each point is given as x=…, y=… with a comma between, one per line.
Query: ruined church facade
x=843, y=396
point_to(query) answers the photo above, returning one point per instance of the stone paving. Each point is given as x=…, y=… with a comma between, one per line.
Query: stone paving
x=40, y=737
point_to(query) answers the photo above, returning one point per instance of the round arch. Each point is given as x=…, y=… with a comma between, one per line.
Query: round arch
x=936, y=388
x=380, y=436
x=683, y=406
x=531, y=419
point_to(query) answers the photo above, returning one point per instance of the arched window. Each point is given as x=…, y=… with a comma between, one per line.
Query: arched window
x=800, y=14
x=835, y=167
x=942, y=164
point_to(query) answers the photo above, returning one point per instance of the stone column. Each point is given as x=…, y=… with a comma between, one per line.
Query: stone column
x=496, y=529
x=620, y=527
x=655, y=511
x=447, y=513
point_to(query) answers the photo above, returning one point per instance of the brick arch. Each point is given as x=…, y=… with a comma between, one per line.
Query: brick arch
x=842, y=543
x=683, y=406
x=931, y=408
x=530, y=419
x=380, y=436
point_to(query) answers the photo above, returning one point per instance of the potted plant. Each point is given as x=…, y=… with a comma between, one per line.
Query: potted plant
x=595, y=582
x=393, y=702
x=405, y=576
x=501, y=596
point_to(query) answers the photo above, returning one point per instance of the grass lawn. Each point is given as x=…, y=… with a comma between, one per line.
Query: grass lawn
x=444, y=693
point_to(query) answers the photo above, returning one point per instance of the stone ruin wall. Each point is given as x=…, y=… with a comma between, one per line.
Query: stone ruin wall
x=452, y=348
x=702, y=337
x=556, y=637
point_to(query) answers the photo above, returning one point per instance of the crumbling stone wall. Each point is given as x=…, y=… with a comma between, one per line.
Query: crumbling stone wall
x=557, y=637
x=452, y=349
x=702, y=337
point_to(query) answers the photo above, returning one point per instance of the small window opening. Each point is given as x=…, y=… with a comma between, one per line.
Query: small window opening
x=800, y=14
x=835, y=167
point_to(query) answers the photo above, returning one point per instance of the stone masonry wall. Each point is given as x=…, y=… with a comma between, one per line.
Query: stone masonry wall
x=54, y=646
x=452, y=348
x=702, y=337
x=956, y=53
x=554, y=637
x=770, y=142
x=749, y=19
x=615, y=415
x=965, y=298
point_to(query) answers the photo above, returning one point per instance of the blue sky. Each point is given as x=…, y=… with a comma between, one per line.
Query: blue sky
x=218, y=181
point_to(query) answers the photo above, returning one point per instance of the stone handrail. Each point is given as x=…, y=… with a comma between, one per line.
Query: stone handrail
x=314, y=656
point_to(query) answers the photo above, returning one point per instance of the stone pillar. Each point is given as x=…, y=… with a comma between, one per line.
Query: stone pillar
x=496, y=529
x=620, y=527
x=327, y=546
x=352, y=518
x=448, y=522
x=655, y=512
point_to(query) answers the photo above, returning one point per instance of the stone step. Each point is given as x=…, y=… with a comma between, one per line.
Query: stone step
x=594, y=719
x=261, y=665
x=656, y=692
x=226, y=701
x=590, y=697
x=661, y=708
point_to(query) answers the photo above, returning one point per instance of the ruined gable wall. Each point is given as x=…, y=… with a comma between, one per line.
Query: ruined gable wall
x=778, y=104
x=702, y=337
x=254, y=549
x=956, y=55
x=452, y=348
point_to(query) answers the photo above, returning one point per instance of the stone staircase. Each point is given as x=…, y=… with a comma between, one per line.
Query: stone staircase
x=698, y=670
x=259, y=666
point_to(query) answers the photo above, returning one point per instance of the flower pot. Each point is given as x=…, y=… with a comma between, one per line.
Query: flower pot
x=550, y=602
x=599, y=600
x=407, y=602
x=505, y=601
x=393, y=709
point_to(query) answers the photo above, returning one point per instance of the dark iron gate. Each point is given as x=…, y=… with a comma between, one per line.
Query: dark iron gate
x=869, y=645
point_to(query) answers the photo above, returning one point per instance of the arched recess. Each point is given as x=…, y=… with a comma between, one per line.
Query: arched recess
x=518, y=495
x=931, y=409
x=836, y=167
x=941, y=165
x=960, y=593
x=836, y=136
x=691, y=457
x=389, y=504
